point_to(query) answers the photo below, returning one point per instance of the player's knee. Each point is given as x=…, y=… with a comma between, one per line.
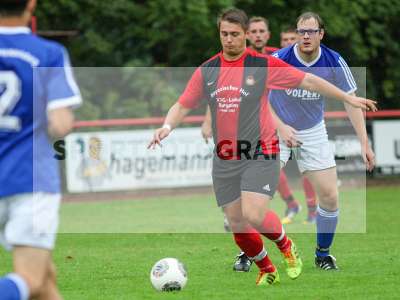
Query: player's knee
x=52, y=274
x=329, y=199
x=237, y=225
x=253, y=217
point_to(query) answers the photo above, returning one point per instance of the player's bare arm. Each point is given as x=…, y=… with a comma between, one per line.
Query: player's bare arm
x=316, y=84
x=286, y=132
x=174, y=117
x=61, y=122
x=356, y=117
x=206, y=127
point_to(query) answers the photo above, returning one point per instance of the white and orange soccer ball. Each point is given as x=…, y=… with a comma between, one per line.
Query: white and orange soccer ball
x=168, y=274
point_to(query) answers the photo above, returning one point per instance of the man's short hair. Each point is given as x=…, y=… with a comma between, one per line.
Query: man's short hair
x=259, y=19
x=12, y=7
x=289, y=29
x=311, y=15
x=234, y=15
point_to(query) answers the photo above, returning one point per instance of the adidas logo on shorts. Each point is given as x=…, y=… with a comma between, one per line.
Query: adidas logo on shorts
x=266, y=188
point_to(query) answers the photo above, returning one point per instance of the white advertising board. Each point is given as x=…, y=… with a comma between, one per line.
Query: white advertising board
x=120, y=160
x=387, y=143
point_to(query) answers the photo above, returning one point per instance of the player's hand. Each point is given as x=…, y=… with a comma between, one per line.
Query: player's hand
x=363, y=103
x=288, y=135
x=206, y=131
x=159, y=135
x=369, y=157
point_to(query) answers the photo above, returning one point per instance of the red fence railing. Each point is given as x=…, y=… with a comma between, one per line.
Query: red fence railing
x=199, y=119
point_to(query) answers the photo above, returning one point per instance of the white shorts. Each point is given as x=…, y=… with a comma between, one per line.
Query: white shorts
x=29, y=220
x=314, y=154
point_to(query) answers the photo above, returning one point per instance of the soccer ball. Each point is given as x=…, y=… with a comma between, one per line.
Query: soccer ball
x=168, y=274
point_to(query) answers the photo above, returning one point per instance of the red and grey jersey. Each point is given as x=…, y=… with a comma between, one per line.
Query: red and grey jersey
x=267, y=50
x=270, y=50
x=237, y=93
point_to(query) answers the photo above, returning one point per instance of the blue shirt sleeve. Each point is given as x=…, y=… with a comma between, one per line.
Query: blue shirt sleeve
x=61, y=87
x=343, y=77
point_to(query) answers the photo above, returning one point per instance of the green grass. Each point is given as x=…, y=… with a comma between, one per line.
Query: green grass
x=188, y=214
x=117, y=266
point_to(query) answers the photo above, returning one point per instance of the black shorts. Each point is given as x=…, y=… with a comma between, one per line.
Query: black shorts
x=258, y=176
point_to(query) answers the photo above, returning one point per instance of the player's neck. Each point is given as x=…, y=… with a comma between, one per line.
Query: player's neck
x=308, y=57
x=228, y=57
x=261, y=50
x=12, y=22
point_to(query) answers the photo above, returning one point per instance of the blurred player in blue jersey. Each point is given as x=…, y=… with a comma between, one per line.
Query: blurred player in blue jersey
x=37, y=91
x=300, y=122
x=288, y=37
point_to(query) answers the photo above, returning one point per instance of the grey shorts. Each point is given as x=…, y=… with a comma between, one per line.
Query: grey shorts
x=258, y=176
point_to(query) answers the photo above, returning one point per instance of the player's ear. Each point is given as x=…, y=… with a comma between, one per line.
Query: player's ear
x=321, y=33
x=30, y=7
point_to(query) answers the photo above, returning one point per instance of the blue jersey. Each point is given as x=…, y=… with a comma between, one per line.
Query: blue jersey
x=302, y=109
x=35, y=77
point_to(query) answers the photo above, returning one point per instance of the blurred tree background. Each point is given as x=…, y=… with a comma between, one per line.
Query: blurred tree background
x=173, y=33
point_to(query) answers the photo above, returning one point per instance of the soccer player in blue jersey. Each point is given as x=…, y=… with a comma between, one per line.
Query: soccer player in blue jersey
x=37, y=91
x=299, y=115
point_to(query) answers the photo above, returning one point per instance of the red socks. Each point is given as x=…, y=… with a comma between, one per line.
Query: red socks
x=273, y=230
x=249, y=241
x=265, y=264
x=283, y=187
x=252, y=245
x=285, y=191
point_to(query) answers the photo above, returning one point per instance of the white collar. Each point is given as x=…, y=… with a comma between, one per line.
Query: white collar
x=14, y=30
x=307, y=64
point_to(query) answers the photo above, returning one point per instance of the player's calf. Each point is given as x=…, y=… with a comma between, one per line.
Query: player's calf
x=50, y=290
x=32, y=264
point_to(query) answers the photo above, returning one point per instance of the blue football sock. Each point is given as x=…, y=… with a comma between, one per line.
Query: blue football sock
x=13, y=287
x=326, y=227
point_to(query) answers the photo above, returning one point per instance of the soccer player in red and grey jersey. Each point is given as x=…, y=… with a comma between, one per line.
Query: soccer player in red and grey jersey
x=258, y=35
x=245, y=173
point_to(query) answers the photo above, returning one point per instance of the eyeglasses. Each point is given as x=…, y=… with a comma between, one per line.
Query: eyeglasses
x=310, y=32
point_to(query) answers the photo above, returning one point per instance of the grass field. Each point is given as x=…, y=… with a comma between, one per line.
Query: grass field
x=117, y=265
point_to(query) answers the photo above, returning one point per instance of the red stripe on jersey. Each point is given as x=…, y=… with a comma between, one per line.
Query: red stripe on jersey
x=193, y=92
x=270, y=50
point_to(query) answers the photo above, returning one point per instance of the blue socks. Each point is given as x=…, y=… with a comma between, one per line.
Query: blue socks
x=326, y=227
x=13, y=287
